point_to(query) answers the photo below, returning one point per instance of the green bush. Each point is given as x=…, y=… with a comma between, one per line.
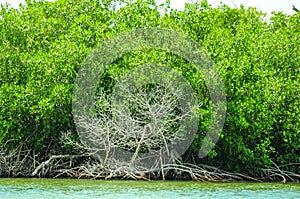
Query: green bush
x=43, y=45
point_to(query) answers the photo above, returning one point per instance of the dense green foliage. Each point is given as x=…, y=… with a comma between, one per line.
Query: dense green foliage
x=44, y=43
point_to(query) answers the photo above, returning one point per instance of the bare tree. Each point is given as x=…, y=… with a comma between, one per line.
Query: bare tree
x=136, y=129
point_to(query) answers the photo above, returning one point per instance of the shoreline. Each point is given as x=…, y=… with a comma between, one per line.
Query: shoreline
x=169, y=175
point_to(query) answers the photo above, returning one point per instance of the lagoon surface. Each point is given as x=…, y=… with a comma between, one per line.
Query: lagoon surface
x=89, y=189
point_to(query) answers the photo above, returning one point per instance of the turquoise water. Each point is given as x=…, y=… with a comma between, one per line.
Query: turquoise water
x=89, y=189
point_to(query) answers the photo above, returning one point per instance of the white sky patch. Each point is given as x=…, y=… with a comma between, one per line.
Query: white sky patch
x=266, y=6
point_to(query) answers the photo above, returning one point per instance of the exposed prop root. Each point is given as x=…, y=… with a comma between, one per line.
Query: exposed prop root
x=16, y=162
x=275, y=173
x=22, y=162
